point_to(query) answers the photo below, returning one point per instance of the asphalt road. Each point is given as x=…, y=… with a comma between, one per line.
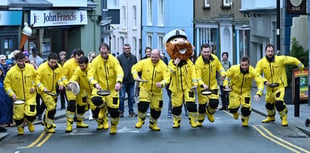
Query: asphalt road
x=225, y=135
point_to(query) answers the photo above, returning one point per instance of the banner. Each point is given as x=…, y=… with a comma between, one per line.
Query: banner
x=58, y=18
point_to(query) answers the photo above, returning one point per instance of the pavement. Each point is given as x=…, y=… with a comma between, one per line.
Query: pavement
x=257, y=107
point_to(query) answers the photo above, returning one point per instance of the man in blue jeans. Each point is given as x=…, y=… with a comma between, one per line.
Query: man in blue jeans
x=127, y=60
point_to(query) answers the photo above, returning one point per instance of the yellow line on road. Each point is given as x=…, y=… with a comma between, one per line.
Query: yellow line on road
x=34, y=142
x=279, y=139
x=44, y=140
x=272, y=139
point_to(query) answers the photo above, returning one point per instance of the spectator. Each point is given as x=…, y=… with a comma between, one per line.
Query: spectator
x=224, y=95
x=127, y=60
x=62, y=60
x=6, y=109
x=35, y=57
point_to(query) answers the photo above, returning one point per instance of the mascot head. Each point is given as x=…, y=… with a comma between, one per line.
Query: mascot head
x=177, y=45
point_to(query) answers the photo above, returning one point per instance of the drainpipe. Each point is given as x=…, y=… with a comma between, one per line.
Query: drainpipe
x=309, y=49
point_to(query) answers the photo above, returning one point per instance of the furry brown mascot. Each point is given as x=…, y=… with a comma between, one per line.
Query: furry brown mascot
x=183, y=76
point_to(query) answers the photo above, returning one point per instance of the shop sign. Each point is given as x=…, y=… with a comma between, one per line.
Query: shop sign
x=58, y=18
x=296, y=6
x=10, y=18
x=303, y=75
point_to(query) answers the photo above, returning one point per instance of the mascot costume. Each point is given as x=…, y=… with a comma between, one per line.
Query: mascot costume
x=183, y=77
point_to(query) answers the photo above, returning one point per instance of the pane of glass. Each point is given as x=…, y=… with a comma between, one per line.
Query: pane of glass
x=6, y=44
x=11, y=43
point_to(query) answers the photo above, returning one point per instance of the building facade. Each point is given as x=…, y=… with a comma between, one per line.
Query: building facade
x=220, y=24
x=57, y=25
x=128, y=31
x=160, y=17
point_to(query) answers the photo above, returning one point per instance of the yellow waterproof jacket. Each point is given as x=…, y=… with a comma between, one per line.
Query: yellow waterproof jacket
x=153, y=73
x=68, y=70
x=182, y=78
x=241, y=83
x=275, y=71
x=47, y=77
x=206, y=71
x=20, y=81
x=105, y=72
x=81, y=78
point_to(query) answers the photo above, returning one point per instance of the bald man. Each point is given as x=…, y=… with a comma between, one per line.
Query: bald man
x=156, y=74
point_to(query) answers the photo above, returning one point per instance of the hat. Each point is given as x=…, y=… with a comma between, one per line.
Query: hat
x=26, y=53
x=174, y=34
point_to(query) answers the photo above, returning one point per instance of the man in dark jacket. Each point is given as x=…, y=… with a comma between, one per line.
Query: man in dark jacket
x=127, y=60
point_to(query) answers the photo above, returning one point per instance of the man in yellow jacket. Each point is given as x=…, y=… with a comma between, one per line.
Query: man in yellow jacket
x=273, y=68
x=106, y=74
x=68, y=70
x=19, y=84
x=207, y=65
x=49, y=74
x=84, y=96
x=241, y=77
x=156, y=73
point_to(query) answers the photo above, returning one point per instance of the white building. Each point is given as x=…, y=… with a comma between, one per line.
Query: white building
x=129, y=29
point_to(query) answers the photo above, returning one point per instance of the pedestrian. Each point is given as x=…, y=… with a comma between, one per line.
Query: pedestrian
x=49, y=74
x=273, y=68
x=155, y=72
x=106, y=74
x=224, y=95
x=68, y=70
x=61, y=61
x=241, y=77
x=22, y=75
x=207, y=65
x=183, y=76
x=35, y=57
x=6, y=109
x=127, y=60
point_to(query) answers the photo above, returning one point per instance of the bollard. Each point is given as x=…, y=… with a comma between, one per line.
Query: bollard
x=297, y=97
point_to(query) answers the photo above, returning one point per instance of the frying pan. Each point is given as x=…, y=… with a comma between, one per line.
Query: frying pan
x=103, y=92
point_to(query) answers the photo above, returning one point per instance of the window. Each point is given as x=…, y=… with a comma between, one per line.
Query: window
x=134, y=11
x=121, y=42
x=227, y=3
x=206, y=4
x=149, y=40
x=160, y=43
x=113, y=4
x=160, y=12
x=124, y=22
x=134, y=45
x=149, y=12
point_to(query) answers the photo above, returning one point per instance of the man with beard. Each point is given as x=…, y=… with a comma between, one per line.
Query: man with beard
x=19, y=84
x=68, y=70
x=83, y=98
x=183, y=76
x=49, y=74
x=207, y=65
x=273, y=68
x=106, y=74
x=241, y=77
